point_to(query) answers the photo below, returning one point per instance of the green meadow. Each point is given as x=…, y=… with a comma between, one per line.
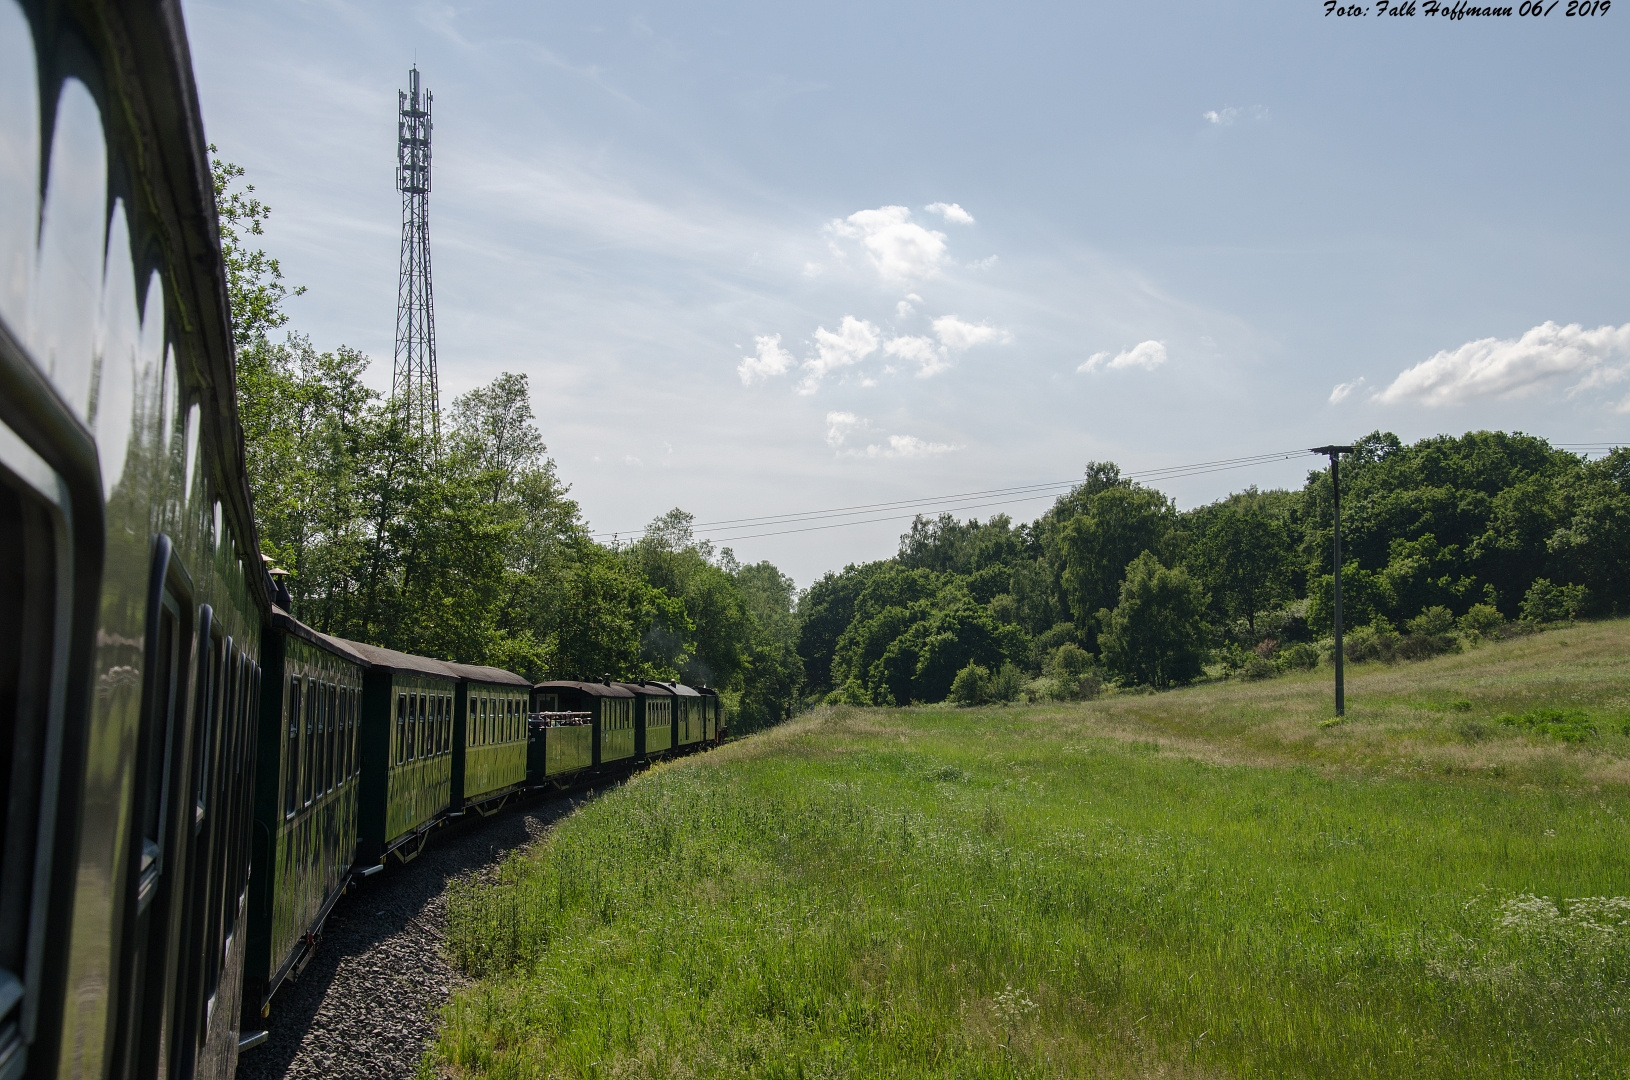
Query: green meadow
x=1217, y=881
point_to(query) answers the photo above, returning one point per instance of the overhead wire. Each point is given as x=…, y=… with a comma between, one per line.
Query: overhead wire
x=734, y=529
x=866, y=513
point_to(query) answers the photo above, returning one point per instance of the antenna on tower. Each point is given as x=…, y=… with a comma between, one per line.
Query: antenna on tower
x=413, y=381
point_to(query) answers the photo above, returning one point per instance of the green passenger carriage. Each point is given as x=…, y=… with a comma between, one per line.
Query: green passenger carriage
x=653, y=718
x=579, y=725
x=407, y=750
x=306, y=784
x=489, y=736
x=690, y=716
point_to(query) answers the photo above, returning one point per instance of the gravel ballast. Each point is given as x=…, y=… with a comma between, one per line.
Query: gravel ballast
x=366, y=1005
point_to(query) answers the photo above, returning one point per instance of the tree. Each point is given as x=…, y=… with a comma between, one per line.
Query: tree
x=1156, y=635
x=1242, y=555
x=1118, y=523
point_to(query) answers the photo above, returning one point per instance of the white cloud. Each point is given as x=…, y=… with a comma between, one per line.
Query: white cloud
x=950, y=212
x=1503, y=368
x=855, y=340
x=908, y=446
x=838, y=426
x=899, y=248
x=1145, y=354
x=929, y=357
x=1339, y=394
x=956, y=334
x=772, y=359
x=1223, y=117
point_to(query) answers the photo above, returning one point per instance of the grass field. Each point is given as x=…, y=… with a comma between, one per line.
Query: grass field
x=1209, y=882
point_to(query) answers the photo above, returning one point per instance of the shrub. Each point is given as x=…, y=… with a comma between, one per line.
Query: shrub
x=1157, y=633
x=1435, y=621
x=850, y=693
x=972, y=685
x=1007, y=683
x=1259, y=667
x=1548, y=603
x=1301, y=656
x=1482, y=621
x=1069, y=659
x=1377, y=641
x=1074, y=687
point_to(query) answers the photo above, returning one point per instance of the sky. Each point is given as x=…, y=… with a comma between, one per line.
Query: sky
x=765, y=259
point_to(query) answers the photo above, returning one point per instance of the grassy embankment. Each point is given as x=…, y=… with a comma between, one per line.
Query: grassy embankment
x=1207, y=882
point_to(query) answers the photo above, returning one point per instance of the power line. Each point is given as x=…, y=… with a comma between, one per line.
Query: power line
x=866, y=513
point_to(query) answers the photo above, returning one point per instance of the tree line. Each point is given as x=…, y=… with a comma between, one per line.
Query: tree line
x=1113, y=582
x=467, y=546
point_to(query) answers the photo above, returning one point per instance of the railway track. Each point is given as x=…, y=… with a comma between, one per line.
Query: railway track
x=366, y=1004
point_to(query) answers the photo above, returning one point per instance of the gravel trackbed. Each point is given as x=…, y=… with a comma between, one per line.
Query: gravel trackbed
x=366, y=1005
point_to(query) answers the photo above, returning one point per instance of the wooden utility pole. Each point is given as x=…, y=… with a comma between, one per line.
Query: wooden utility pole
x=1334, y=453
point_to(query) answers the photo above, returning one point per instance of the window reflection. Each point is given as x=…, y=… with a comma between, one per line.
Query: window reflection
x=19, y=166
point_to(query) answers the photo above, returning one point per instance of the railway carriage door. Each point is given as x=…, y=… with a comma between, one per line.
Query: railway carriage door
x=155, y=866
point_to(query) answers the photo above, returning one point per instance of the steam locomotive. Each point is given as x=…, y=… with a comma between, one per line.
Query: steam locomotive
x=192, y=776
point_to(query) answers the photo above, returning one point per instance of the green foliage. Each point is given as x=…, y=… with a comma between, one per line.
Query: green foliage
x=1156, y=635
x=972, y=685
x=1007, y=683
x=1569, y=725
x=1098, y=544
x=1548, y=603
x=254, y=280
x=1481, y=621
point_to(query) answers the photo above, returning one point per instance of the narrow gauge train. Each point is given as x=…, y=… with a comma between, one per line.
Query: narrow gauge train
x=192, y=777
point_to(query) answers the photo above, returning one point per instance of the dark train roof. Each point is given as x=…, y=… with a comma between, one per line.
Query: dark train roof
x=288, y=624
x=391, y=660
x=482, y=673
x=593, y=689
x=653, y=687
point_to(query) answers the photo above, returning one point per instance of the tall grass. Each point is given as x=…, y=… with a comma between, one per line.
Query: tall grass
x=1027, y=893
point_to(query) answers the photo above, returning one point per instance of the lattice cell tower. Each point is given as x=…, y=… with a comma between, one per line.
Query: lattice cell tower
x=413, y=382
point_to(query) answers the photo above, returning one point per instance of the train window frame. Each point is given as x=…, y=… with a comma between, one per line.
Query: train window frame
x=331, y=773
x=401, y=722
x=291, y=746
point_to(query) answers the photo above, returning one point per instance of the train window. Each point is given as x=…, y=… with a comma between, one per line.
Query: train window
x=319, y=690
x=308, y=763
x=424, y=726
x=335, y=727
x=350, y=732
x=446, y=723
x=401, y=727
x=291, y=750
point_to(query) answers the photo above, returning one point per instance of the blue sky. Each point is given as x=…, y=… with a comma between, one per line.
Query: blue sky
x=770, y=258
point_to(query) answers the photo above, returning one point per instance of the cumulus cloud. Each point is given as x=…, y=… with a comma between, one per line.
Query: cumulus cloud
x=854, y=340
x=956, y=334
x=908, y=446
x=839, y=425
x=1145, y=354
x=1339, y=394
x=1547, y=355
x=950, y=212
x=771, y=359
x=899, y=249
x=1223, y=117
x=929, y=356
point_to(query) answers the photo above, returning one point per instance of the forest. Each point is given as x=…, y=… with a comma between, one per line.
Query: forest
x=468, y=546
x=1443, y=540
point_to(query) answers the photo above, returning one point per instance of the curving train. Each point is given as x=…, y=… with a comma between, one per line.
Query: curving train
x=191, y=776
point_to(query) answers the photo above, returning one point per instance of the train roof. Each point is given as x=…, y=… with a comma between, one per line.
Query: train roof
x=655, y=687
x=593, y=689
x=287, y=623
x=482, y=673
x=391, y=660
